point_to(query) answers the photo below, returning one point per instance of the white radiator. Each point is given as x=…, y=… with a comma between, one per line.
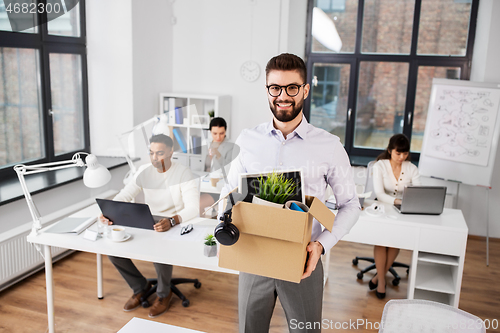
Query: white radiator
x=19, y=259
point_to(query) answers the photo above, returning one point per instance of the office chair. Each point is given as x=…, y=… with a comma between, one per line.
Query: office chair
x=368, y=188
x=421, y=316
x=185, y=302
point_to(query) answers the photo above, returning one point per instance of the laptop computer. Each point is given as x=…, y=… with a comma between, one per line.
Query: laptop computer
x=422, y=200
x=128, y=214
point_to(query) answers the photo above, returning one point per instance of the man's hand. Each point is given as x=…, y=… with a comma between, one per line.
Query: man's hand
x=104, y=220
x=315, y=250
x=162, y=225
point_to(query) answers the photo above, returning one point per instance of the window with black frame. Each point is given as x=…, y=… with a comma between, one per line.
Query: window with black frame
x=43, y=86
x=371, y=65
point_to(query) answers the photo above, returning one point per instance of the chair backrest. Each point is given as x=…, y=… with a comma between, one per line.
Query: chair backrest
x=369, y=180
x=420, y=316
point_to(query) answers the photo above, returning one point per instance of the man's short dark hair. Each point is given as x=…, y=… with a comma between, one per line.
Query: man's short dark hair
x=218, y=122
x=162, y=138
x=287, y=62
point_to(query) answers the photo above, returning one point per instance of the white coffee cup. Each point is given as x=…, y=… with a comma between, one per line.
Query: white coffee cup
x=117, y=233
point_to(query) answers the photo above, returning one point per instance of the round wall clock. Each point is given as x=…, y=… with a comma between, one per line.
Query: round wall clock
x=250, y=71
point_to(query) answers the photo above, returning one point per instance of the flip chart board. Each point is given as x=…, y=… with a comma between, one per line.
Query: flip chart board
x=461, y=133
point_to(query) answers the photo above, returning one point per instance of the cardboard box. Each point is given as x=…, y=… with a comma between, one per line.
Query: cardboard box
x=272, y=240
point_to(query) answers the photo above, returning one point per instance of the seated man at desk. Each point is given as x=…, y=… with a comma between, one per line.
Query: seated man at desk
x=170, y=191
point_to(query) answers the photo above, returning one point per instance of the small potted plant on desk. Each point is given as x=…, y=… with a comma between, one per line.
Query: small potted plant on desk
x=210, y=249
x=274, y=190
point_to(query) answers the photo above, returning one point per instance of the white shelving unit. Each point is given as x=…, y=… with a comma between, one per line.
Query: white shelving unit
x=436, y=277
x=188, y=116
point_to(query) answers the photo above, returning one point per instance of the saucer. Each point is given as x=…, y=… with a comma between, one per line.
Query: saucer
x=127, y=236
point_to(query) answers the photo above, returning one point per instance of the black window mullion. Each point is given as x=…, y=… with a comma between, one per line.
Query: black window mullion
x=411, y=91
x=416, y=25
x=47, y=103
x=359, y=27
x=351, y=106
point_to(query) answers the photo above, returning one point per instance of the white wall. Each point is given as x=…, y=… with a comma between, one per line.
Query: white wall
x=212, y=39
x=485, y=68
x=151, y=55
x=109, y=58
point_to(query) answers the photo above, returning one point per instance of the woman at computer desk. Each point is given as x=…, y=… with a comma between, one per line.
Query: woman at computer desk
x=220, y=153
x=391, y=173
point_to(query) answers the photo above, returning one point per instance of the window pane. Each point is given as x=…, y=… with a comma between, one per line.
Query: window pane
x=21, y=122
x=380, y=103
x=22, y=22
x=334, y=21
x=329, y=92
x=387, y=26
x=424, y=85
x=67, y=24
x=67, y=102
x=444, y=27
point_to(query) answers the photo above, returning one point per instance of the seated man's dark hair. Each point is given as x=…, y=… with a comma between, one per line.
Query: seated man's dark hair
x=218, y=122
x=162, y=138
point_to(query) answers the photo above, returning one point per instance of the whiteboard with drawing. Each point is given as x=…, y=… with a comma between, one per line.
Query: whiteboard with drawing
x=461, y=132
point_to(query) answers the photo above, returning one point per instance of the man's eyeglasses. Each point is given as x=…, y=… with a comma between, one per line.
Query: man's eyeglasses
x=291, y=90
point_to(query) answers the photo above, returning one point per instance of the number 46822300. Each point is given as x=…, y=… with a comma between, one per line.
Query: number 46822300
x=33, y=8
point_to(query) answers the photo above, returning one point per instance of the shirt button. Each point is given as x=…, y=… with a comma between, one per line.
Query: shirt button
x=281, y=163
x=283, y=143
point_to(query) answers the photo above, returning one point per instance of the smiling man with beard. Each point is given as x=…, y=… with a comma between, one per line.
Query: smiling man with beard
x=290, y=142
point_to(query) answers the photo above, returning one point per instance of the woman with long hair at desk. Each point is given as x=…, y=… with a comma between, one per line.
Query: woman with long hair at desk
x=391, y=173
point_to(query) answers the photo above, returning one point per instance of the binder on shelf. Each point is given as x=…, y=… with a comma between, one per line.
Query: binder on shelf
x=179, y=117
x=171, y=109
x=196, y=144
x=180, y=139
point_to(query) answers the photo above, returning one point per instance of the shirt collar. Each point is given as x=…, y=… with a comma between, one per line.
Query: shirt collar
x=301, y=130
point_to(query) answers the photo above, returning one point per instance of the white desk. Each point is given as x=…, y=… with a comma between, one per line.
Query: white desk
x=146, y=245
x=438, y=243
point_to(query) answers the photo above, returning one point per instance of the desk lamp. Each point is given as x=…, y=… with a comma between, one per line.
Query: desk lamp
x=95, y=176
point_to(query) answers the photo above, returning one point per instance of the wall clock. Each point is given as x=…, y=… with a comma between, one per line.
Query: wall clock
x=250, y=71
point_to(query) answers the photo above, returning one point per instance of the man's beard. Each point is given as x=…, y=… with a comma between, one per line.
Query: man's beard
x=285, y=116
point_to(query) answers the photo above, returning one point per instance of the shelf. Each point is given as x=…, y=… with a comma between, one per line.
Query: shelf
x=438, y=258
x=432, y=296
x=179, y=125
x=435, y=277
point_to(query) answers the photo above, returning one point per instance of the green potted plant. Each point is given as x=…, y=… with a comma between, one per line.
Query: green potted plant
x=274, y=190
x=211, y=113
x=210, y=248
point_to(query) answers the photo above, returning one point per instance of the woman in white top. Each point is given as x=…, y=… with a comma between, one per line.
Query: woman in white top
x=220, y=154
x=392, y=172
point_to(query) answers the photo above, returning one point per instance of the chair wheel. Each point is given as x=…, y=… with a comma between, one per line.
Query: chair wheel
x=145, y=304
x=395, y=282
x=407, y=271
x=185, y=303
x=360, y=276
x=355, y=262
x=197, y=285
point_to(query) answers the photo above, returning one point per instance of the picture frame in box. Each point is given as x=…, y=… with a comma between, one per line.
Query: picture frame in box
x=248, y=182
x=200, y=120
